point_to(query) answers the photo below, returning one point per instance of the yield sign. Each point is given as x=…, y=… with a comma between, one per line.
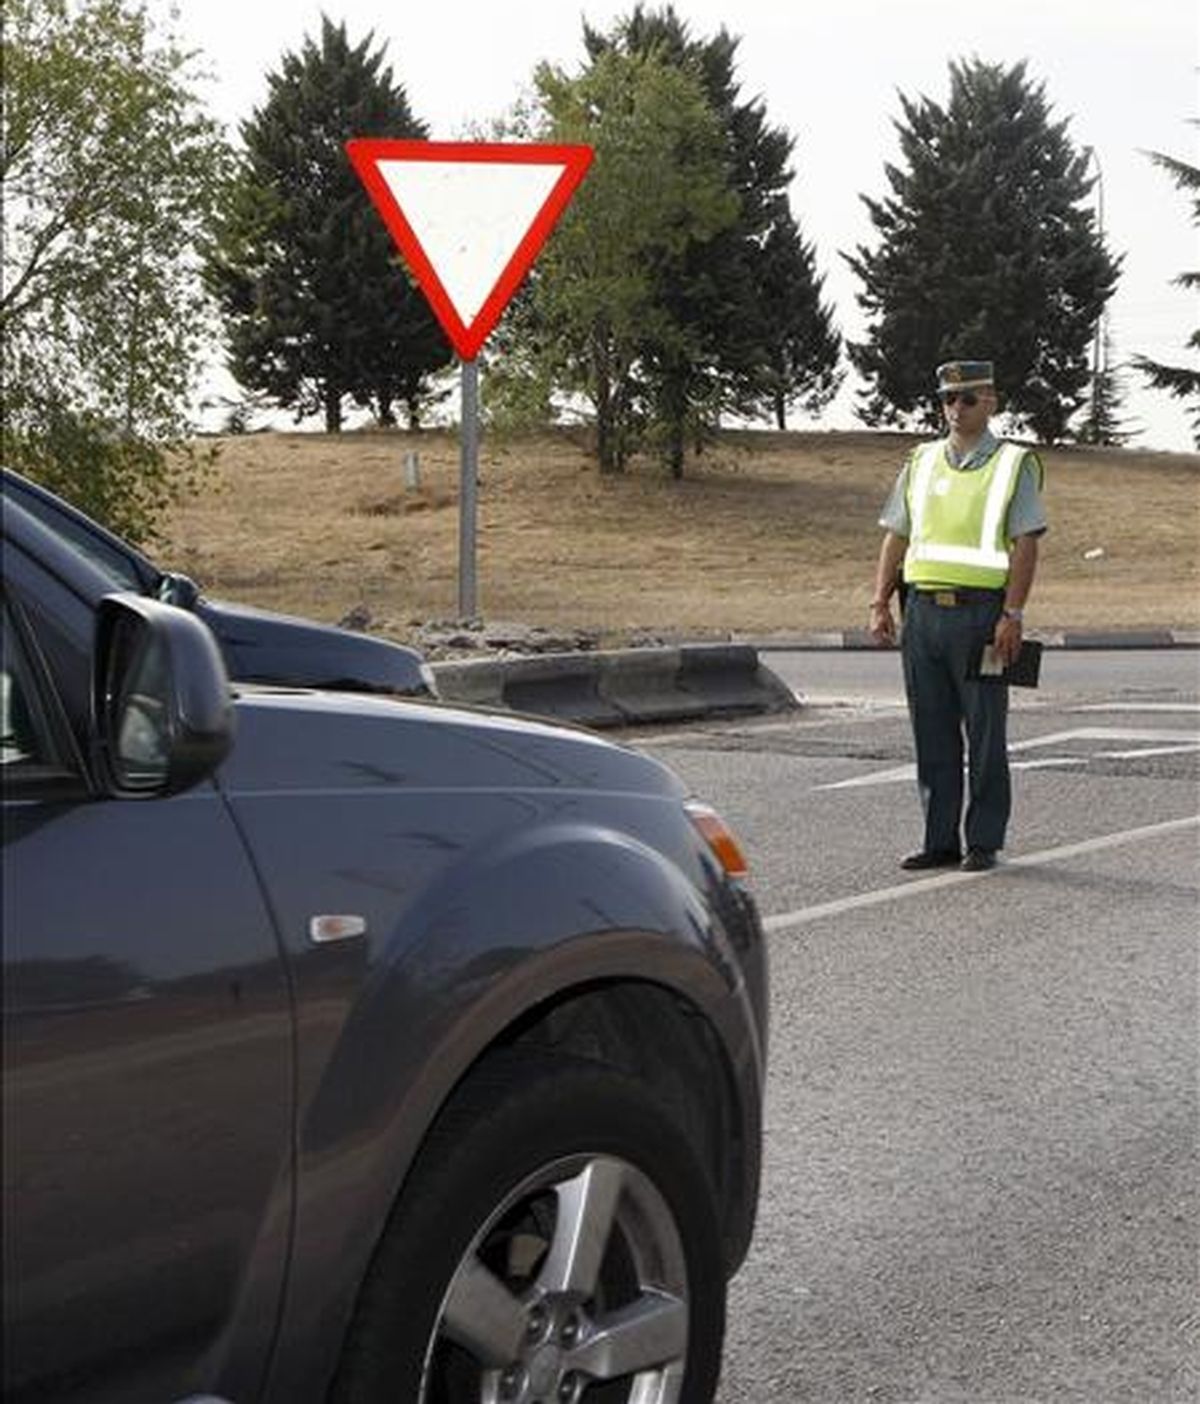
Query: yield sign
x=469, y=218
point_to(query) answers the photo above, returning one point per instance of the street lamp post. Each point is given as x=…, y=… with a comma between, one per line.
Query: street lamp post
x=1098, y=350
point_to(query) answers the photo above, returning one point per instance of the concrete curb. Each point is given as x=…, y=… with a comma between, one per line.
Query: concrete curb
x=1050, y=638
x=690, y=682
x=623, y=687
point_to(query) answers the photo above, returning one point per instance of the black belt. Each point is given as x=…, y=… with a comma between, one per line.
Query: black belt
x=961, y=595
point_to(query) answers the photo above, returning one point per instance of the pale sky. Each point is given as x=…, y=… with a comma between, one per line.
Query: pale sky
x=1124, y=75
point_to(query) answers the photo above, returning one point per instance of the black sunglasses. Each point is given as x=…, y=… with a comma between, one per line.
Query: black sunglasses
x=968, y=397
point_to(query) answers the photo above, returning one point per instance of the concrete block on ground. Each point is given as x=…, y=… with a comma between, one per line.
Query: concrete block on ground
x=563, y=685
x=623, y=687
x=478, y=682
x=730, y=678
x=643, y=684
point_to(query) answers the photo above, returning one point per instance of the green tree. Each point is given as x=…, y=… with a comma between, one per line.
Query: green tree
x=1103, y=424
x=317, y=305
x=1181, y=381
x=110, y=168
x=658, y=186
x=801, y=347
x=988, y=249
x=747, y=350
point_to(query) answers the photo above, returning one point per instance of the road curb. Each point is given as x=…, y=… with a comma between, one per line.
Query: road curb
x=623, y=687
x=834, y=640
x=692, y=682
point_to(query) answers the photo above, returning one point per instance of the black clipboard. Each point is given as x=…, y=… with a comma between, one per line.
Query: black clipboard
x=1024, y=671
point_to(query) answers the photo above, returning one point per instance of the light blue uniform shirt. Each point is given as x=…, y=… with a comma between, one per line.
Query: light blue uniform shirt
x=1026, y=512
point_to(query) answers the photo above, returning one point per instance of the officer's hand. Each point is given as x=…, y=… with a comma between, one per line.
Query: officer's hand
x=1007, y=639
x=883, y=626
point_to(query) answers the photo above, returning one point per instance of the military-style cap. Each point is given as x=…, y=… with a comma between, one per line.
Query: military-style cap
x=964, y=375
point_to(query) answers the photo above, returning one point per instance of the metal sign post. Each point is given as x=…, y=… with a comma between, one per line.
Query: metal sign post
x=468, y=494
x=509, y=196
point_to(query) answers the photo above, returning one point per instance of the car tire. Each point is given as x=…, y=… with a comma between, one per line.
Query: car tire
x=556, y=1243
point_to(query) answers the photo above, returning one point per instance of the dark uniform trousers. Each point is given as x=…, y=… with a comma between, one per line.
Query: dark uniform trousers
x=937, y=645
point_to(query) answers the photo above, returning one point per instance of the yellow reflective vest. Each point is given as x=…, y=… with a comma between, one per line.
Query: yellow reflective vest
x=957, y=518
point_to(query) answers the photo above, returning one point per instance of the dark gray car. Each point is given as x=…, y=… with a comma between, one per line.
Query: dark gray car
x=357, y=1048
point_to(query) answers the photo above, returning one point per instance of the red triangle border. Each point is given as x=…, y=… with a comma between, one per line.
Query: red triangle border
x=365, y=153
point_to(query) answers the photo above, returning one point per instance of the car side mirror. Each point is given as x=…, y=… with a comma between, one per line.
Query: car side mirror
x=175, y=588
x=162, y=708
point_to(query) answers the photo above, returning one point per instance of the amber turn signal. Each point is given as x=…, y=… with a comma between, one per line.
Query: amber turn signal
x=719, y=837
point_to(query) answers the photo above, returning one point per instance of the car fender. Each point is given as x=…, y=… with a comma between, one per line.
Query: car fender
x=549, y=910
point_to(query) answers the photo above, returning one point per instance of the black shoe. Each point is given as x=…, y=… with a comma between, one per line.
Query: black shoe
x=938, y=858
x=979, y=860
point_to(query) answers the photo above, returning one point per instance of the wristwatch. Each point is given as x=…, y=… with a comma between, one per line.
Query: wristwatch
x=1017, y=614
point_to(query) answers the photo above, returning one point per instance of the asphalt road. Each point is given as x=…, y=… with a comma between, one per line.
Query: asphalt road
x=983, y=1114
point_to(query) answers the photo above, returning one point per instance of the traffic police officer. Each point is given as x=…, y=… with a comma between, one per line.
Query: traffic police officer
x=964, y=519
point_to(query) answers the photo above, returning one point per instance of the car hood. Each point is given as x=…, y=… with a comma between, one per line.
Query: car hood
x=289, y=739
x=261, y=646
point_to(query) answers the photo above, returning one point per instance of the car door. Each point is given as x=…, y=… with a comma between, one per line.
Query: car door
x=147, y=1069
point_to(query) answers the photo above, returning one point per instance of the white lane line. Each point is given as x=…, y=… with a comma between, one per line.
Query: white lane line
x=876, y=777
x=1102, y=733
x=1150, y=751
x=1137, y=707
x=1045, y=761
x=894, y=776
x=785, y=921
x=908, y=773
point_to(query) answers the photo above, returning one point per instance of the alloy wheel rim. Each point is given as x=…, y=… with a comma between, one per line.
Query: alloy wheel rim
x=574, y=1289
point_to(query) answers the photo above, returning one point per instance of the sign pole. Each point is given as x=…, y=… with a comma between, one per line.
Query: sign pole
x=509, y=196
x=468, y=481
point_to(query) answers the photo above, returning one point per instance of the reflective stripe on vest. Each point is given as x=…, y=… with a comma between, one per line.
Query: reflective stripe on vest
x=983, y=561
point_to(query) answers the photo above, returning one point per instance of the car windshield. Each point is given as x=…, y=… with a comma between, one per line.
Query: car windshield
x=107, y=555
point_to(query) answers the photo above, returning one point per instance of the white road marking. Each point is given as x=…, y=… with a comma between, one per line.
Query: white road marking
x=1104, y=733
x=1179, y=741
x=1148, y=751
x=1046, y=762
x=786, y=921
x=1137, y=707
x=877, y=777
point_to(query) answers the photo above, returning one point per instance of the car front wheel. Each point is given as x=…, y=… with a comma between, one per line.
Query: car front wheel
x=556, y=1244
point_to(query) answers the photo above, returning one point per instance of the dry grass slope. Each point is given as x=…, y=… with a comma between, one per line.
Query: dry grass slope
x=768, y=532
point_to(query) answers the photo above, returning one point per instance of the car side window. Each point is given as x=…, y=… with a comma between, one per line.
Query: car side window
x=44, y=608
x=27, y=741
x=118, y=565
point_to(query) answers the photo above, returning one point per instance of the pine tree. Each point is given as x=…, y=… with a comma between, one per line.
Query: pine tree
x=802, y=349
x=1102, y=425
x=745, y=347
x=1181, y=381
x=317, y=305
x=988, y=249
